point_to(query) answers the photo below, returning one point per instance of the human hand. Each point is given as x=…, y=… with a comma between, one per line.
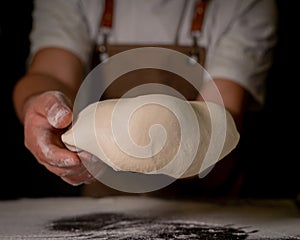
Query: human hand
x=46, y=117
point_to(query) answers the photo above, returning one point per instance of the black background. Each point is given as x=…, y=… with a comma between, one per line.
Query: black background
x=269, y=148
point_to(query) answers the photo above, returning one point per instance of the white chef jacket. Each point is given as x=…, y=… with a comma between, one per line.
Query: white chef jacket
x=239, y=35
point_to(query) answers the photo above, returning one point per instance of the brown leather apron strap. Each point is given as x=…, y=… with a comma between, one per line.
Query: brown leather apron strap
x=105, y=27
x=196, y=28
x=107, y=16
x=198, y=17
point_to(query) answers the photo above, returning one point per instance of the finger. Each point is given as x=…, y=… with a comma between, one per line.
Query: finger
x=59, y=114
x=79, y=178
x=54, y=155
x=73, y=175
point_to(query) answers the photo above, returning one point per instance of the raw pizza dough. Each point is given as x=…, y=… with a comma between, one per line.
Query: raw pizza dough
x=154, y=134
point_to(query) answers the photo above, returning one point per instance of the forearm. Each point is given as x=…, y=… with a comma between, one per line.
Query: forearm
x=35, y=83
x=232, y=95
x=50, y=69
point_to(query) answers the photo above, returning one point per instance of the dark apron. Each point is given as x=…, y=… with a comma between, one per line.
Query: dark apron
x=139, y=77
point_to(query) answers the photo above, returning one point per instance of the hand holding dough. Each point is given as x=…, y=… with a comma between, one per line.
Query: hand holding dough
x=154, y=134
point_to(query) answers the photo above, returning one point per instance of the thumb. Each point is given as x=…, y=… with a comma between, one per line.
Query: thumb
x=59, y=114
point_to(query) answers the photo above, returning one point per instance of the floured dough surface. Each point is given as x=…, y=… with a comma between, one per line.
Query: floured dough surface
x=153, y=134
